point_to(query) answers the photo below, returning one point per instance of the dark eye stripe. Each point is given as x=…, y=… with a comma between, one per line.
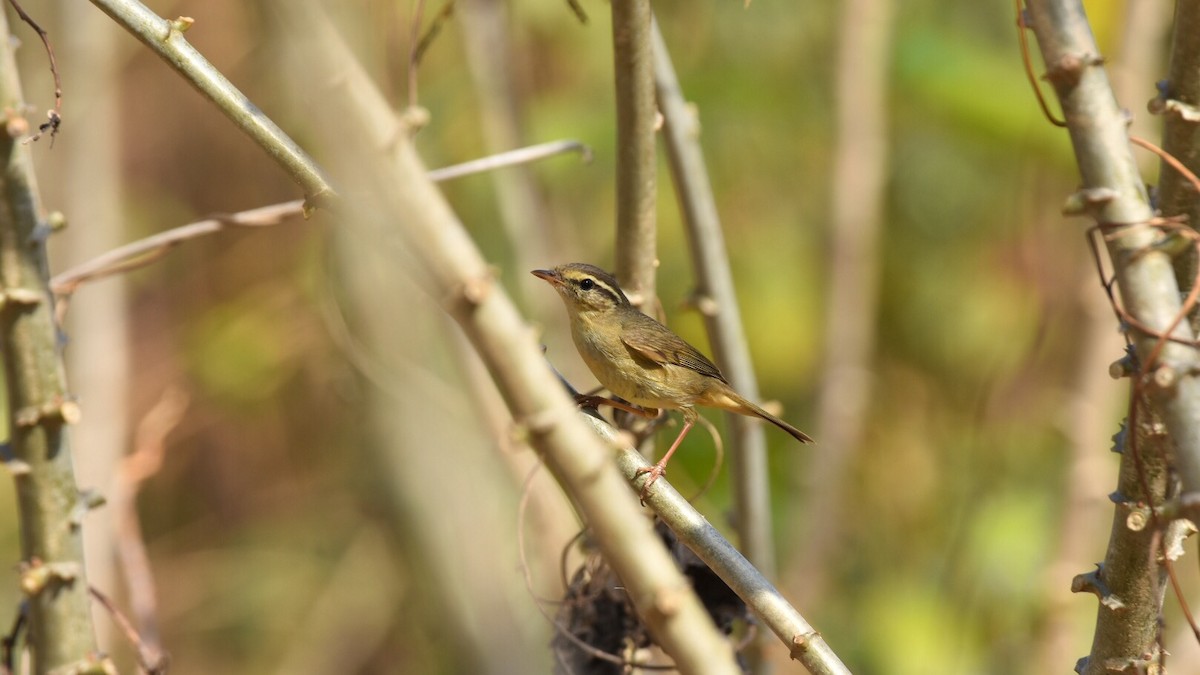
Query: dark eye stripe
x=594, y=285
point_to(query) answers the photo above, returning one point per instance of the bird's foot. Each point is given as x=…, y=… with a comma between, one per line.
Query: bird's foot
x=590, y=401
x=655, y=471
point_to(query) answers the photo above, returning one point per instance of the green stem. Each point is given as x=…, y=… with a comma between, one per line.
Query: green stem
x=48, y=503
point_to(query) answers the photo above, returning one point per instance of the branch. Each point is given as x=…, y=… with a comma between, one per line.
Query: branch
x=804, y=643
x=717, y=301
x=859, y=183
x=1113, y=193
x=60, y=622
x=1179, y=102
x=450, y=267
x=636, y=247
x=145, y=251
x=165, y=38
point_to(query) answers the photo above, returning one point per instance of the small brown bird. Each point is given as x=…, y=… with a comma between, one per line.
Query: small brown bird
x=641, y=360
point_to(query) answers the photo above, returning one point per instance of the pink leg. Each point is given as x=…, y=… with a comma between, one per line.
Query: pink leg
x=661, y=468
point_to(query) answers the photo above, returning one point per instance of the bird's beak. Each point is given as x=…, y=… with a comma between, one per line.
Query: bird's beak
x=549, y=276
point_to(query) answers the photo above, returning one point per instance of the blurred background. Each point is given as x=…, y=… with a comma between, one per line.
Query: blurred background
x=339, y=488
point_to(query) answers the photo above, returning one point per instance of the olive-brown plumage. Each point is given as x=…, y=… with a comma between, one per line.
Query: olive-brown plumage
x=641, y=360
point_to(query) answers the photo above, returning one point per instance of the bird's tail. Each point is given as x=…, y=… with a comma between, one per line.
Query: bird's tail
x=733, y=402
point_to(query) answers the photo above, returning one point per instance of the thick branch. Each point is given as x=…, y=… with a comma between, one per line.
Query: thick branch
x=60, y=623
x=454, y=272
x=1115, y=196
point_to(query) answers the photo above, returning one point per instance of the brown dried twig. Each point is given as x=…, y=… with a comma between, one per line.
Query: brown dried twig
x=54, y=117
x=150, y=658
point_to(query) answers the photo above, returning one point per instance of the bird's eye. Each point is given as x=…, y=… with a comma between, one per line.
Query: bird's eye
x=587, y=284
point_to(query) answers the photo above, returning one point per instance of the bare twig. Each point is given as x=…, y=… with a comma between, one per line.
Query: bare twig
x=636, y=246
x=860, y=175
x=414, y=39
x=149, y=657
x=149, y=447
x=142, y=252
x=1027, y=62
x=165, y=38
x=54, y=117
x=524, y=155
x=8, y=645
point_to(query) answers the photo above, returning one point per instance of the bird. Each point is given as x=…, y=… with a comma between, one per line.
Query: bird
x=642, y=361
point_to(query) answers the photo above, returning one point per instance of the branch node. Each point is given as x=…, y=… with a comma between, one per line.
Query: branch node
x=88, y=500
x=476, y=290
x=413, y=119
x=1160, y=105
x=1119, y=438
x=1122, y=367
x=59, y=409
x=666, y=602
x=1138, y=518
x=17, y=467
x=1084, y=201
x=1165, y=377
x=800, y=644
x=15, y=124
x=537, y=424
x=178, y=27
x=1068, y=70
x=19, y=297
x=1092, y=582
x=36, y=575
x=703, y=303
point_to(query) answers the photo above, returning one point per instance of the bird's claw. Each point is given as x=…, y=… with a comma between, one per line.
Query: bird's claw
x=655, y=472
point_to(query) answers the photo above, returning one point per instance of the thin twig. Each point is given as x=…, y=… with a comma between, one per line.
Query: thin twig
x=149, y=447
x=142, y=252
x=524, y=155
x=435, y=28
x=149, y=657
x=414, y=40
x=8, y=646
x=1027, y=62
x=54, y=120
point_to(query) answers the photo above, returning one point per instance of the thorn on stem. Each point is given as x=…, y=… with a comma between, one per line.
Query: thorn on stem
x=1091, y=582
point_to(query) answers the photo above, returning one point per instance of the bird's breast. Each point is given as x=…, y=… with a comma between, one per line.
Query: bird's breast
x=638, y=381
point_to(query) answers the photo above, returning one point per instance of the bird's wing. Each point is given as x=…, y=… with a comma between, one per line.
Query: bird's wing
x=660, y=345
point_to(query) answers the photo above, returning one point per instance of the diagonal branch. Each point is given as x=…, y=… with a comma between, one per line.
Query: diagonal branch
x=452, y=269
x=165, y=38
